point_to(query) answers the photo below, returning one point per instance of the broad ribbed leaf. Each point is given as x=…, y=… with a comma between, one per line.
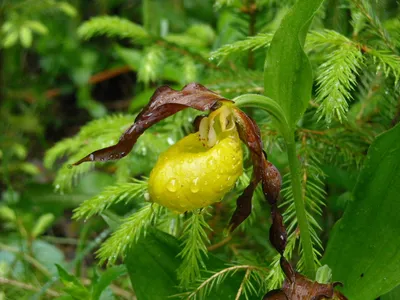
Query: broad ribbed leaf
x=364, y=249
x=152, y=264
x=287, y=72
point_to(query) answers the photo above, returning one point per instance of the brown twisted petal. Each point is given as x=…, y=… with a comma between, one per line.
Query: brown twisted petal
x=263, y=170
x=243, y=206
x=277, y=231
x=271, y=182
x=164, y=103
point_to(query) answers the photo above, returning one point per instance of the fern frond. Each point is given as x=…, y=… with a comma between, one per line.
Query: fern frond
x=337, y=77
x=111, y=195
x=194, y=248
x=112, y=26
x=252, y=274
x=252, y=43
x=132, y=228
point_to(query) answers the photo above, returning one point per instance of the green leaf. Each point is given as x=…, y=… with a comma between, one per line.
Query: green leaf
x=106, y=278
x=72, y=285
x=42, y=224
x=7, y=214
x=113, y=220
x=287, y=71
x=152, y=265
x=37, y=27
x=363, y=251
x=48, y=255
x=25, y=35
x=68, y=9
x=10, y=39
x=392, y=295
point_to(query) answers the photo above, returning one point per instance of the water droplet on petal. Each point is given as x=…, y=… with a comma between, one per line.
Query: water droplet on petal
x=211, y=162
x=172, y=185
x=194, y=188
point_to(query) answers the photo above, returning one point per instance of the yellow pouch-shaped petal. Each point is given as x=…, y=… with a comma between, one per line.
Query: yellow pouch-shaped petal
x=190, y=175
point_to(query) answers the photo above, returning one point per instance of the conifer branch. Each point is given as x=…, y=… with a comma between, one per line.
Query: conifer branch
x=337, y=77
x=389, y=63
x=152, y=64
x=111, y=195
x=112, y=26
x=217, y=278
x=252, y=43
x=366, y=9
x=96, y=134
x=194, y=248
x=130, y=231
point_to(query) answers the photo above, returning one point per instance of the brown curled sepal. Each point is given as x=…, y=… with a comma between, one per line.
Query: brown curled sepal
x=164, y=103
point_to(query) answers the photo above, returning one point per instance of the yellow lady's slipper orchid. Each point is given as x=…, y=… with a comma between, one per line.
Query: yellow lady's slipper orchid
x=193, y=175
x=202, y=167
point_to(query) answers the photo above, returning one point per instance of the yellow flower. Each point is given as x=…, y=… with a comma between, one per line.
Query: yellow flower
x=192, y=174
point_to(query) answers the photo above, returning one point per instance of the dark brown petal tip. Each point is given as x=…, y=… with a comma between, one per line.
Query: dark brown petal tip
x=243, y=206
x=164, y=103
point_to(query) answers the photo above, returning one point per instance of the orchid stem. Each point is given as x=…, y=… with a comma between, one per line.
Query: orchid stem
x=305, y=237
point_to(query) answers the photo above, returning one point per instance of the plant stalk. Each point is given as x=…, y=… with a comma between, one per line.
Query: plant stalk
x=305, y=237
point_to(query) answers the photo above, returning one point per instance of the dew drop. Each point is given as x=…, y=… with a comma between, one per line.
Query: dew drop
x=194, y=188
x=91, y=157
x=146, y=196
x=170, y=141
x=69, y=166
x=210, y=162
x=172, y=186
